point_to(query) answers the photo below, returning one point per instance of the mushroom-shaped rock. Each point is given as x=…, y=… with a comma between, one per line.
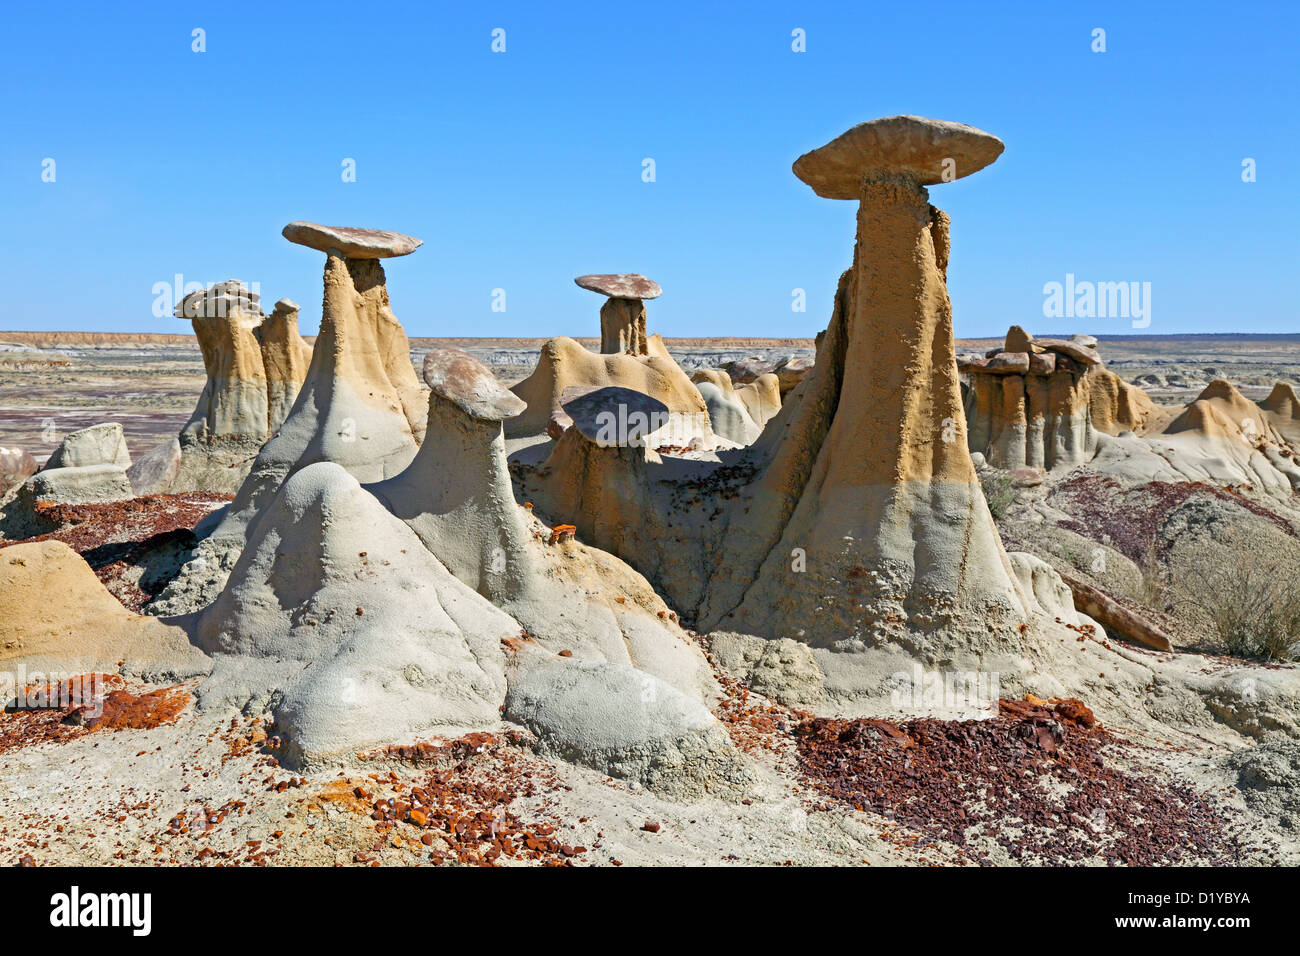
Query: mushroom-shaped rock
x=614, y=416
x=565, y=363
x=351, y=242
x=458, y=377
x=458, y=497
x=929, y=151
x=360, y=406
x=862, y=473
x=622, y=317
x=621, y=285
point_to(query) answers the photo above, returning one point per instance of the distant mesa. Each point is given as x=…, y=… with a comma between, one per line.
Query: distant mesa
x=351, y=242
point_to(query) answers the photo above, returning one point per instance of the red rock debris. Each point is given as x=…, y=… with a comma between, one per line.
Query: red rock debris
x=91, y=702
x=113, y=537
x=1040, y=781
x=459, y=814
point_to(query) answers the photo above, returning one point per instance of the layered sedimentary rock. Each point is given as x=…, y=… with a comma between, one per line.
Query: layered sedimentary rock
x=233, y=403
x=1041, y=403
x=565, y=364
x=285, y=359
x=865, y=523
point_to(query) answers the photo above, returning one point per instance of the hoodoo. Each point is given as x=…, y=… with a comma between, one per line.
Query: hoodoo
x=1041, y=403
x=628, y=359
x=622, y=317
x=865, y=523
x=360, y=404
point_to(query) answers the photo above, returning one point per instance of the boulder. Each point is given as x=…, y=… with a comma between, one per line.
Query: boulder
x=97, y=445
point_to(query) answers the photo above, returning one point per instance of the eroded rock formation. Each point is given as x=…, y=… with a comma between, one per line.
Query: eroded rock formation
x=565, y=364
x=865, y=523
x=622, y=317
x=360, y=404
x=1040, y=403
x=255, y=365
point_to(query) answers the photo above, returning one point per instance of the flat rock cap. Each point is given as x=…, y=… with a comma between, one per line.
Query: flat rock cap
x=286, y=305
x=611, y=415
x=460, y=378
x=621, y=285
x=352, y=243
x=897, y=144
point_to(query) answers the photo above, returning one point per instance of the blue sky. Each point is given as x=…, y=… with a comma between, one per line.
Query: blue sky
x=523, y=169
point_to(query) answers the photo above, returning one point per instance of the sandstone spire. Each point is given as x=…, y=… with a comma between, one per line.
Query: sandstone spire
x=622, y=317
x=865, y=480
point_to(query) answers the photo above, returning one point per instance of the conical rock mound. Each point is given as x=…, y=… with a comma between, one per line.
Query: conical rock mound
x=457, y=496
x=86, y=629
x=363, y=635
x=565, y=364
x=353, y=410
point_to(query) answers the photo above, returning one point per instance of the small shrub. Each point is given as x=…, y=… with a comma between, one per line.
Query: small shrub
x=998, y=492
x=1248, y=598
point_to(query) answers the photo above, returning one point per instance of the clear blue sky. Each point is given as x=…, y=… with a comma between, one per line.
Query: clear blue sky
x=522, y=170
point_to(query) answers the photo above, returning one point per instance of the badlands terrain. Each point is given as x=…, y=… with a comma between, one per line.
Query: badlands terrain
x=885, y=597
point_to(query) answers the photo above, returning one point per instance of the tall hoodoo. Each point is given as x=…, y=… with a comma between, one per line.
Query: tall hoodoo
x=233, y=404
x=360, y=404
x=622, y=317
x=866, y=478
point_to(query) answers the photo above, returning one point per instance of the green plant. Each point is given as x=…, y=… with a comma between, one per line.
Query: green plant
x=998, y=492
x=1249, y=599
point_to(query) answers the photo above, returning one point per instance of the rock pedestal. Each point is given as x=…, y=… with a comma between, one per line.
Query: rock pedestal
x=866, y=523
